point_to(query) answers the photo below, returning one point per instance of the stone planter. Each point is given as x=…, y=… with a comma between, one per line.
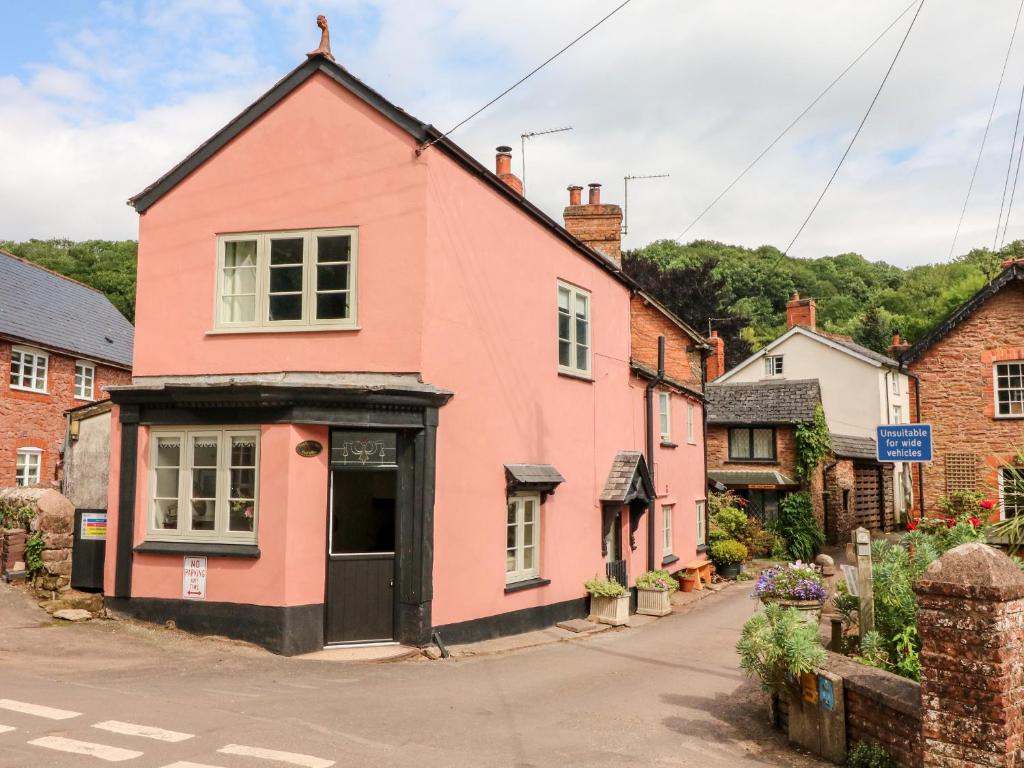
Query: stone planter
x=730, y=571
x=610, y=610
x=810, y=610
x=653, y=602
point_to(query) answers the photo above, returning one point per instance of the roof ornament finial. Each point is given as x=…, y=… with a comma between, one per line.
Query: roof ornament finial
x=325, y=40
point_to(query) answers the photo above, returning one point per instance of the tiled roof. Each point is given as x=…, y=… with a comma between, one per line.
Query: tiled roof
x=42, y=307
x=533, y=474
x=853, y=346
x=628, y=478
x=763, y=402
x=742, y=477
x=850, y=447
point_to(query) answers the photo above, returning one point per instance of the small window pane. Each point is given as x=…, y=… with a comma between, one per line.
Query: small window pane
x=583, y=358
x=332, y=277
x=285, y=279
x=204, y=483
x=763, y=444
x=240, y=253
x=564, y=297
x=334, y=248
x=242, y=280
x=165, y=515
x=286, y=251
x=287, y=307
x=203, y=514
x=167, y=482
x=564, y=353
x=563, y=327
x=332, y=306
x=528, y=558
x=204, y=451
x=168, y=452
x=238, y=309
x=739, y=443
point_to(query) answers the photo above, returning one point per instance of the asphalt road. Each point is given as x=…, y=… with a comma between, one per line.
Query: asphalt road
x=668, y=694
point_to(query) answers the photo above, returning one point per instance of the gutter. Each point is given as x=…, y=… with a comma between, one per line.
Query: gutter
x=649, y=404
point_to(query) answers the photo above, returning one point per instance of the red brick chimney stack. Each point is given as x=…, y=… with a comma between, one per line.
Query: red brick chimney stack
x=898, y=346
x=503, y=169
x=801, y=312
x=596, y=224
x=716, y=360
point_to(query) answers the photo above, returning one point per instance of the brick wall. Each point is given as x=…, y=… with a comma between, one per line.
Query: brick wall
x=682, y=358
x=785, y=452
x=957, y=395
x=35, y=420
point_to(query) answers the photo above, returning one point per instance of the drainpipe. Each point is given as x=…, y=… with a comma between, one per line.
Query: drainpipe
x=649, y=402
x=917, y=407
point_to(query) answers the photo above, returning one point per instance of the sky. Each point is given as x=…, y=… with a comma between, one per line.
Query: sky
x=98, y=98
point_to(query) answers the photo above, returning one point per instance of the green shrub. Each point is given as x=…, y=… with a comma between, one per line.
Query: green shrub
x=798, y=527
x=604, y=588
x=864, y=755
x=14, y=514
x=660, y=580
x=728, y=552
x=777, y=644
x=34, y=552
x=813, y=444
x=733, y=521
x=717, y=534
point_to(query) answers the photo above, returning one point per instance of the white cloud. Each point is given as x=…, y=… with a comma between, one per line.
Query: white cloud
x=694, y=89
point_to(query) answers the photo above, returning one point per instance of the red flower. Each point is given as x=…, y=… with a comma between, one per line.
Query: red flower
x=987, y=504
x=974, y=521
x=950, y=522
x=912, y=525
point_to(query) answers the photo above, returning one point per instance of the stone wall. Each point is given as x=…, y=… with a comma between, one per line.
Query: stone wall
x=36, y=420
x=958, y=400
x=839, y=483
x=785, y=452
x=55, y=521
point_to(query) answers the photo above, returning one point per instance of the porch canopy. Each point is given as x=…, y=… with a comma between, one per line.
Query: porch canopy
x=628, y=481
x=753, y=479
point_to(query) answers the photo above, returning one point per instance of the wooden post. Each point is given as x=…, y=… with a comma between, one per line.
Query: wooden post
x=865, y=581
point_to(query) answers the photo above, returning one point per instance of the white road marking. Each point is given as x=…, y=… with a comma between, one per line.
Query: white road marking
x=7, y=728
x=145, y=731
x=187, y=764
x=102, y=751
x=306, y=761
x=37, y=709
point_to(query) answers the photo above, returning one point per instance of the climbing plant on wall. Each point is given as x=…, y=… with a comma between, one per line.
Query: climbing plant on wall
x=813, y=444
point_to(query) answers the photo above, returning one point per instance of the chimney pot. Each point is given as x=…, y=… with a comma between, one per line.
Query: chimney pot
x=801, y=312
x=596, y=225
x=503, y=168
x=574, y=194
x=595, y=193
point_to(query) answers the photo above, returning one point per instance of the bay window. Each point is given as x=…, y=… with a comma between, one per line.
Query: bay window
x=287, y=280
x=204, y=485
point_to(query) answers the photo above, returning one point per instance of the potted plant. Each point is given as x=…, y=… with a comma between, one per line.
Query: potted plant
x=793, y=585
x=653, y=590
x=728, y=556
x=609, y=601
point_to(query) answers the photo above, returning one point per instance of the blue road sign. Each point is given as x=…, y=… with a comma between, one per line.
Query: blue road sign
x=904, y=442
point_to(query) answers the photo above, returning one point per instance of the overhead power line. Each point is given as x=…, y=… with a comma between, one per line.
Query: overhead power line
x=525, y=77
x=860, y=127
x=796, y=120
x=984, y=137
x=1009, y=166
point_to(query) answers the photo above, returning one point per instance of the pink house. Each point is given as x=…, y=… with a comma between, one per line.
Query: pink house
x=381, y=394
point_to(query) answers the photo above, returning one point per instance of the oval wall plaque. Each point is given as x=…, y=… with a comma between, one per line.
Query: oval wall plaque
x=308, y=448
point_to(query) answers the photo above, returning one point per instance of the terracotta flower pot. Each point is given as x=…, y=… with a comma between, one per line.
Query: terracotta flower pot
x=688, y=584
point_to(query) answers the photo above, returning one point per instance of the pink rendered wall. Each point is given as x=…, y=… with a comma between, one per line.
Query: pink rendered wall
x=321, y=158
x=489, y=335
x=292, y=529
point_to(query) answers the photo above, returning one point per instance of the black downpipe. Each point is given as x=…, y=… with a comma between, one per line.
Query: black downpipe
x=649, y=402
x=920, y=467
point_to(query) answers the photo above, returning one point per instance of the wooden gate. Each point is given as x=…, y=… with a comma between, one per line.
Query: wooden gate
x=867, y=496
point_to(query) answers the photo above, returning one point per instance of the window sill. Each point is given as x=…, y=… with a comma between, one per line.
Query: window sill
x=752, y=461
x=669, y=444
x=576, y=375
x=669, y=560
x=288, y=329
x=997, y=417
x=519, y=586
x=16, y=388
x=198, y=548
x=702, y=548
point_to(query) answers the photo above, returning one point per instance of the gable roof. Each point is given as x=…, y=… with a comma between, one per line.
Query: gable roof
x=852, y=447
x=1012, y=272
x=421, y=132
x=834, y=341
x=763, y=402
x=628, y=480
x=41, y=307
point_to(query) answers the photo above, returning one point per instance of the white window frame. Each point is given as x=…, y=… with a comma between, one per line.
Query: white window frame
x=85, y=372
x=667, y=511
x=308, y=321
x=521, y=573
x=702, y=534
x=1002, y=497
x=896, y=384
x=576, y=294
x=37, y=356
x=773, y=365
x=691, y=435
x=183, y=532
x=22, y=466
x=665, y=416
x=996, y=390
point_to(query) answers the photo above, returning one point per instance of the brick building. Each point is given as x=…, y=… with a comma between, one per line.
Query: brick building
x=968, y=383
x=61, y=343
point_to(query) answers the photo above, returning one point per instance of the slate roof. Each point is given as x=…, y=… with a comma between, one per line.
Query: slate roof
x=1013, y=271
x=41, y=307
x=743, y=477
x=763, y=402
x=850, y=447
x=853, y=346
x=534, y=474
x=628, y=469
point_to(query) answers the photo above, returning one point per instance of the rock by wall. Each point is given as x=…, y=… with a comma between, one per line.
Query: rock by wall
x=55, y=522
